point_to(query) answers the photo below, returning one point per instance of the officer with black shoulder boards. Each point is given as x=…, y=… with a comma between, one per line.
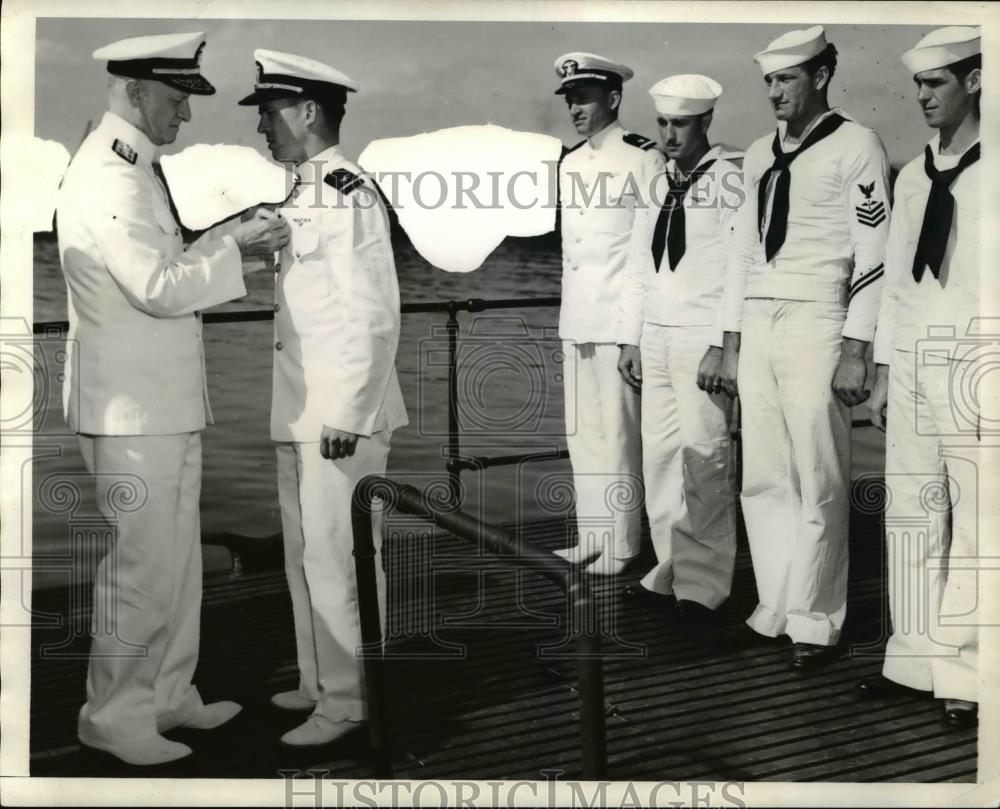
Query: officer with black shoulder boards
x=603, y=181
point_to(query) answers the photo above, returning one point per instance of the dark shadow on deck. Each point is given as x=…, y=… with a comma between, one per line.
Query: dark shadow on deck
x=473, y=694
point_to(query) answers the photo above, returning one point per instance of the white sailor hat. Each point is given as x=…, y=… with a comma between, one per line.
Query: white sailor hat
x=792, y=48
x=943, y=47
x=280, y=75
x=173, y=59
x=685, y=94
x=588, y=68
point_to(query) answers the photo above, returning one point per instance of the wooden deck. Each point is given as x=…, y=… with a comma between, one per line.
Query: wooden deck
x=473, y=694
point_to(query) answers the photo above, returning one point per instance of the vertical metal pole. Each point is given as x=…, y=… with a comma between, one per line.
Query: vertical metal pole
x=593, y=739
x=371, y=630
x=454, y=446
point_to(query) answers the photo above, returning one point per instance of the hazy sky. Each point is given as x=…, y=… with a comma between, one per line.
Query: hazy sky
x=420, y=76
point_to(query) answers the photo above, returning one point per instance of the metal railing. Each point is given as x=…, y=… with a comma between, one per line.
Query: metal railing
x=583, y=614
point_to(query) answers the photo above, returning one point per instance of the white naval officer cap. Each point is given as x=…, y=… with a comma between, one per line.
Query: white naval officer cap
x=791, y=48
x=943, y=47
x=685, y=94
x=578, y=68
x=174, y=59
x=280, y=75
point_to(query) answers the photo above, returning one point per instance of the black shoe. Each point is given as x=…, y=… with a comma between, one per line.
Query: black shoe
x=694, y=615
x=637, y=594
x=879, y=687
x=809, y=656
x=743, y=637
x=960, y=713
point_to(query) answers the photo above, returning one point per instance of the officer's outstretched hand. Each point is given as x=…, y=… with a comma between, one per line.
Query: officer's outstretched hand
x=709, y=376
x=264, y=234
x=630, y=365
x=849, y=378
x=879, y=399
x=334, y=443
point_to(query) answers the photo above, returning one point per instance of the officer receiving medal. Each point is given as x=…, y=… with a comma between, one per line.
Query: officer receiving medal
x=336, y=398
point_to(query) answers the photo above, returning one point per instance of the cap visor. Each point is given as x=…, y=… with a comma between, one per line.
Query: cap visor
x=258, y=96
x=195, y=85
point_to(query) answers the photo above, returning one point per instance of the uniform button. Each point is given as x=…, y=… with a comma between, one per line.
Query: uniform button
x=580, y=212
x=277, y=266
x=277, y=307
x=578, y=240
x=279, y=345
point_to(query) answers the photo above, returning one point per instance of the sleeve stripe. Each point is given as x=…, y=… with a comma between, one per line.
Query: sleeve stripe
x=871, y=278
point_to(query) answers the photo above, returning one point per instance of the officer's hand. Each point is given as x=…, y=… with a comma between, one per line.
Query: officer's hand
x=709, y=378
x=263, y=235
x=630, y=366
x=879, y=399
x=335, y=443
x=730, y=363
x=251, y=212
x=849, y=378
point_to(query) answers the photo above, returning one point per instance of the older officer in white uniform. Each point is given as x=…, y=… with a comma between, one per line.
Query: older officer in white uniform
x=672, y=311
x=136, y=393
x=603, y=181
x=803, y=293
x=336, y=397
x=930, y=301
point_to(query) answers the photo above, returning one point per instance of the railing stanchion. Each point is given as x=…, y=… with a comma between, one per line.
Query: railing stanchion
x=454, y=447
x=371, y=629
x=590, y=678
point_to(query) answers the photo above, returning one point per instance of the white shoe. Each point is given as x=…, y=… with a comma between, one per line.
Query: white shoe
x=144, y=753
x=317, y=730
x=292, y=701
x=577, y=554
x=608, y=565
x=212, y=716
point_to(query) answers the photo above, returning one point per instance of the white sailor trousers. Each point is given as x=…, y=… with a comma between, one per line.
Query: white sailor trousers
x=147, y=591
x=315, y=498
x=687, y=468
x=934, y=490
x=796, y=467
x=603, y=438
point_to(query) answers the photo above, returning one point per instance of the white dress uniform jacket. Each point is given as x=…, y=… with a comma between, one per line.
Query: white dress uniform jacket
x=336, y=322
x=930, y=335
x=136, y=364
x=602, y=183
x=838, y=218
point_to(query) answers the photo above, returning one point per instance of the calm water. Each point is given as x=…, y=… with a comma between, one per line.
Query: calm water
x=509, y=390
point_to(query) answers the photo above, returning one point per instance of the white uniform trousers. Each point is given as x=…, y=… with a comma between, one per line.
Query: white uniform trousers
x=603, y=438
x=315, y=497
x=933, y=489
x=147, y=591
x=796, y=467
x=687, y=469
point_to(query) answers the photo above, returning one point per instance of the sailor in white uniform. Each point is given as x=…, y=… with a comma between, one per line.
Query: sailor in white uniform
x=931, y=301
x=336, y=398
x=603, y=181
x=802, y=294
x=672, y=312
x=136, y=393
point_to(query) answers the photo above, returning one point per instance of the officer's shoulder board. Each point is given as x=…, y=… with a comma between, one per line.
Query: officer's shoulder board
x=639, y=141
x=124, y=151
x=343, y=180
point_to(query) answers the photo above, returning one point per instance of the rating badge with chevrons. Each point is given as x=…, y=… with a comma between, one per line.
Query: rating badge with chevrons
x=871, y=212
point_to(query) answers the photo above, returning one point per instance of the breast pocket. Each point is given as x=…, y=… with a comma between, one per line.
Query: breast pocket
x=309, y=276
